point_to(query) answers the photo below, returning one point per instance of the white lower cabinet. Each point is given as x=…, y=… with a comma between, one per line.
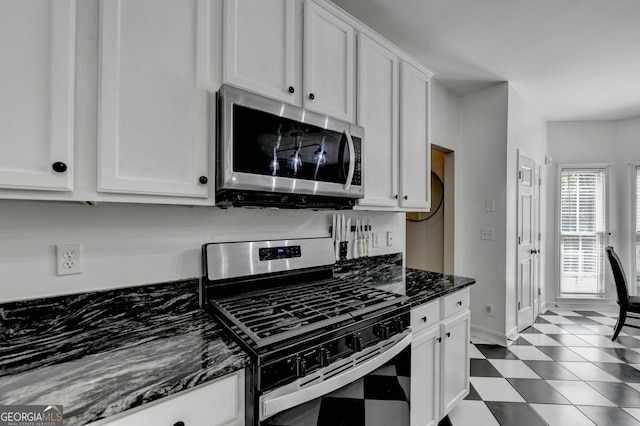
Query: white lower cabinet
x=216, y=404
x=439, y=361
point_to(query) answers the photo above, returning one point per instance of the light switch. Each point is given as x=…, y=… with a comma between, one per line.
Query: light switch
x=490, y=205
x=487, y=234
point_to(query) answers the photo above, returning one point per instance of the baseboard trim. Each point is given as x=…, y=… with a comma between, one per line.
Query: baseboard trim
x=484, y=334
x=578, y=305
x=544, y=307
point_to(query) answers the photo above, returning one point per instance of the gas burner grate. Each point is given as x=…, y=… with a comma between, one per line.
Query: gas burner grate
x=273, y=315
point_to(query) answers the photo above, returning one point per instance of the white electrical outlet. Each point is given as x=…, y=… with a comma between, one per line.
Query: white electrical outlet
x=487, y=234
x=376, y=239
x=69, y=259
x=488, y=310
x=389, y=238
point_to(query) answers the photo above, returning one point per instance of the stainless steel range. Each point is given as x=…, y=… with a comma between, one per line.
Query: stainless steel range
x=307, y=333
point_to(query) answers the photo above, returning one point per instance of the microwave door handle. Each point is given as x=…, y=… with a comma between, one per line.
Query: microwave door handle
x=352, y=160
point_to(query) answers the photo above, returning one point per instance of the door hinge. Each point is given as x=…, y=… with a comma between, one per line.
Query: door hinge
x=539, y=236
x=518, y=305
x=519, y=240
x=539, y=292
x=519, y=174
x=539, y=181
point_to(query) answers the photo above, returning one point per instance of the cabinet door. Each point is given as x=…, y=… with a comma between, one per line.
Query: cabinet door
x=455, y=361
x=329, y=63
x=425, y=378
x=259, y=47
x=415, y=151
x=37, y=46
x=153, y=96
x=378, y=114
x=216, y=404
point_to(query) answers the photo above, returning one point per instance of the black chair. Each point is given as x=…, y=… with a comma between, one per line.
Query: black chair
x=628, y=304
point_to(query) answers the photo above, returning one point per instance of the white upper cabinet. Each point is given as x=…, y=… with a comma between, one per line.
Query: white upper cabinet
x=415, y=149
x=262, y=49
x=155, y=60
x=378, y=114
x=329, y=63
x=37, y=47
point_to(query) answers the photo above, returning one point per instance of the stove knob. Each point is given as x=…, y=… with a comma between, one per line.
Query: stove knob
x=357, y=343
x=324, y=357
x=301, y=367
x=384, y=332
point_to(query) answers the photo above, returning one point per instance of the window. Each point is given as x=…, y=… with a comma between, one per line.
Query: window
x=583, y=231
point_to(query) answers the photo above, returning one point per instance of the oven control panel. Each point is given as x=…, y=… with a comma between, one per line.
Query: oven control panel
x=272, y=253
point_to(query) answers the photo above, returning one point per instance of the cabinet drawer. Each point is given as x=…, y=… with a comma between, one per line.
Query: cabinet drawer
x=425, y=316
x=454, y=303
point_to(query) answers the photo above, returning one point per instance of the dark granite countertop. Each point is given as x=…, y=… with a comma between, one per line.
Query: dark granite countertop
x=101, y=353
x=387, y=272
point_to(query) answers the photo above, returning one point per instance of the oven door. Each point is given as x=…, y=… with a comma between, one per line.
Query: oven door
x=268, y=146
x=301, y=402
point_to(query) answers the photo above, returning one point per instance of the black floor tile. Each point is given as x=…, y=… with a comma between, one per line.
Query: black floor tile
x=538, y=391
x=473, y=394
x=589, y=313
x=531, y=330
x=515, y=413
x=560, y=353
x=608, y=416
x=631, y=331
x=620, y=394
x=584, y=320
x=576, y=329
x=550, y=370
x=383, y=387
x=445, y=422
x=496, y=352
x=540, y=320
x=623, y=372
x=628, y=341
x=341, y=411
x=549, y=313
x=626, y=355
x=483, y=368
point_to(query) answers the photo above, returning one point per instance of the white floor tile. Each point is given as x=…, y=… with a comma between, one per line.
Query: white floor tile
x=637, y=350
x=605, y=330
x=561, y=415
x=604, y=320
x=556, y=319
x=575, y=341
x=589, y=372
x=550, y=329
x=600, y=341
x=495, y=389
x=513, y=369
x=636, y=366
x=635, y=412
x=385, y=370
x=472, y=413
x=595, y=355
x=567, y=313
x=475, y=353
x=383, y=413
x=529, y=353
x=539, y=339
x=611, y=314
x=636, y=386
x=580, y=393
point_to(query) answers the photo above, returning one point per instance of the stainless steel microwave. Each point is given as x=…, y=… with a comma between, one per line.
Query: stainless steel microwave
x=273, y=154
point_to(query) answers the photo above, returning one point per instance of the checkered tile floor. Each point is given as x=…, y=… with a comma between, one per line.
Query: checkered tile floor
x=564, y=370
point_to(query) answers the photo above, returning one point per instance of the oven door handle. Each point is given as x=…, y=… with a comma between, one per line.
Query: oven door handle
x=273, y=402
x=352, y=159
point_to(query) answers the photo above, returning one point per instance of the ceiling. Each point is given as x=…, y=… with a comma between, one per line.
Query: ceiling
x=571, y=59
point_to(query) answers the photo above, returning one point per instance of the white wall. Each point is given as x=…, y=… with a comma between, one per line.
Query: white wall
x=480, y=174
x=579, y=142
x=445, y=117
x=125, y=245
x=527, y=132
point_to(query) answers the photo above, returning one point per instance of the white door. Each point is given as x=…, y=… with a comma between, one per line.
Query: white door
x=37, y=47
x=415, y=150
x=329, y=63
x=260, y=51
x=378, y=114
x=155, y=62
x=425, y=378
x=538, y=243
x=455, y=360
x=526, y=243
